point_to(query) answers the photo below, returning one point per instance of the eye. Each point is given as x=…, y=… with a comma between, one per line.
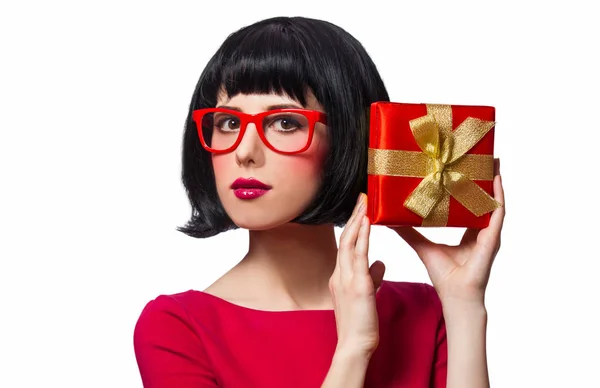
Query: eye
x=284, y=124
x=227, y=123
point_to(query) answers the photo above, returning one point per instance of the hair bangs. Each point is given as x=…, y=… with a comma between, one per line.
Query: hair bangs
x=267, y=61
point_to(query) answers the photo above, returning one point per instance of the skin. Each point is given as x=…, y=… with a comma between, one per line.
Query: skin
x=287, y=266
x=299, y=267
x=295, y=178
x=459, y=274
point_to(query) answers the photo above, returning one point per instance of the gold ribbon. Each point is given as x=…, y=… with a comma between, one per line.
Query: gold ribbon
x=445, y=167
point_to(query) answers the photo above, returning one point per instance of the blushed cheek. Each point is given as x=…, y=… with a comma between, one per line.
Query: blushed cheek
x=311, y=162
x=306, y=168
x=220, y=163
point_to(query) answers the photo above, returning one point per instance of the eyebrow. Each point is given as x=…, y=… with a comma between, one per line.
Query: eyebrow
x=270, y=107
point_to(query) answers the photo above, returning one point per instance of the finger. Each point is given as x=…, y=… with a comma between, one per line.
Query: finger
x=497, y=218
x=357, y=205
x=489, y=239
x=348, y=243
x=350, y=221
x=361, y=250
x=470, y=236
x=415, y=239
x=362, y=242
x=353, y=215
x=498, y=189
x=377, y=271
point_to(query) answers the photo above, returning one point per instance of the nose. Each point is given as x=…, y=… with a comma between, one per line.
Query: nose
x=250, y=150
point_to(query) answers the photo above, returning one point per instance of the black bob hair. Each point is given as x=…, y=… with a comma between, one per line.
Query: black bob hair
x=289, y=55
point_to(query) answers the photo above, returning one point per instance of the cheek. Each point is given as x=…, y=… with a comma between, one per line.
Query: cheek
x=305, y=167
x=218, y=163
x=221, y=164
x=310, y=164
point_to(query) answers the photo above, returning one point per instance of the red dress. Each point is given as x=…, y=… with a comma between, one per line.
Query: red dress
x=195, y=339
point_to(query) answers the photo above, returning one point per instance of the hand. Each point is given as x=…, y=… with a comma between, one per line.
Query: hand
x=353, y=286
x=461, y=272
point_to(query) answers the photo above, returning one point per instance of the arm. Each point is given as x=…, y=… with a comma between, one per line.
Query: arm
x=348, y=369
x=354, y=286
x=460, y=275
x=466, y=330
x=168, y=352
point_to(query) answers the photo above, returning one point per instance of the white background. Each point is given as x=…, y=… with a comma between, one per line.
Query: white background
x=93, y=98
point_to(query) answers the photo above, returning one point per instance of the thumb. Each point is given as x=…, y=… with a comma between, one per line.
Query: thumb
x=377, y=270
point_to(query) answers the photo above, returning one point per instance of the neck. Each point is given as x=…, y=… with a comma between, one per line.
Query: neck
x=291, y=265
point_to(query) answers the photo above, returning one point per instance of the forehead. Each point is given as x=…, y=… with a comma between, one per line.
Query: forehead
x=260, y=102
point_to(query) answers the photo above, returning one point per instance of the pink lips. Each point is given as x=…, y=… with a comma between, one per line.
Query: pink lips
x=249, y=188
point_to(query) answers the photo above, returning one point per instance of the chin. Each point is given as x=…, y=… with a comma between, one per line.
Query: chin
x=263, y=213
x=254, y=225
x=262, y=221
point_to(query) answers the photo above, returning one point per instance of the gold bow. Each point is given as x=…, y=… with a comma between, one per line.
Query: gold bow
x=445, y=167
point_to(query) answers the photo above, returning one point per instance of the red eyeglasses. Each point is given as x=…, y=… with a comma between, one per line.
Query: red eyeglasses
x=286, y=131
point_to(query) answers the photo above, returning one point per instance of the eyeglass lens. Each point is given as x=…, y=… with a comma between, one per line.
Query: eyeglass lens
x=285, y=131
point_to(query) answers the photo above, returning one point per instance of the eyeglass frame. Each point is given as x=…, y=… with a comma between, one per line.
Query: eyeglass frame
x=313, y=117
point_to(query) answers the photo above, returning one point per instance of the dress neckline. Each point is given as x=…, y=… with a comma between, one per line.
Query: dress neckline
x=230, y=304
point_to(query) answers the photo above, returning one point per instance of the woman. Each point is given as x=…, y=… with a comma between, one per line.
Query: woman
x=276, y=143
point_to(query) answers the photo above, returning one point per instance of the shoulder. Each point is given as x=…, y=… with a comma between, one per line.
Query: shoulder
x=171, y=322
x=171, y=304
x=169, y=313
x=163, y=309
x=169, y=344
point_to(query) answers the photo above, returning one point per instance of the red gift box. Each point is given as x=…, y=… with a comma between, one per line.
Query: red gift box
x=431, y=165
